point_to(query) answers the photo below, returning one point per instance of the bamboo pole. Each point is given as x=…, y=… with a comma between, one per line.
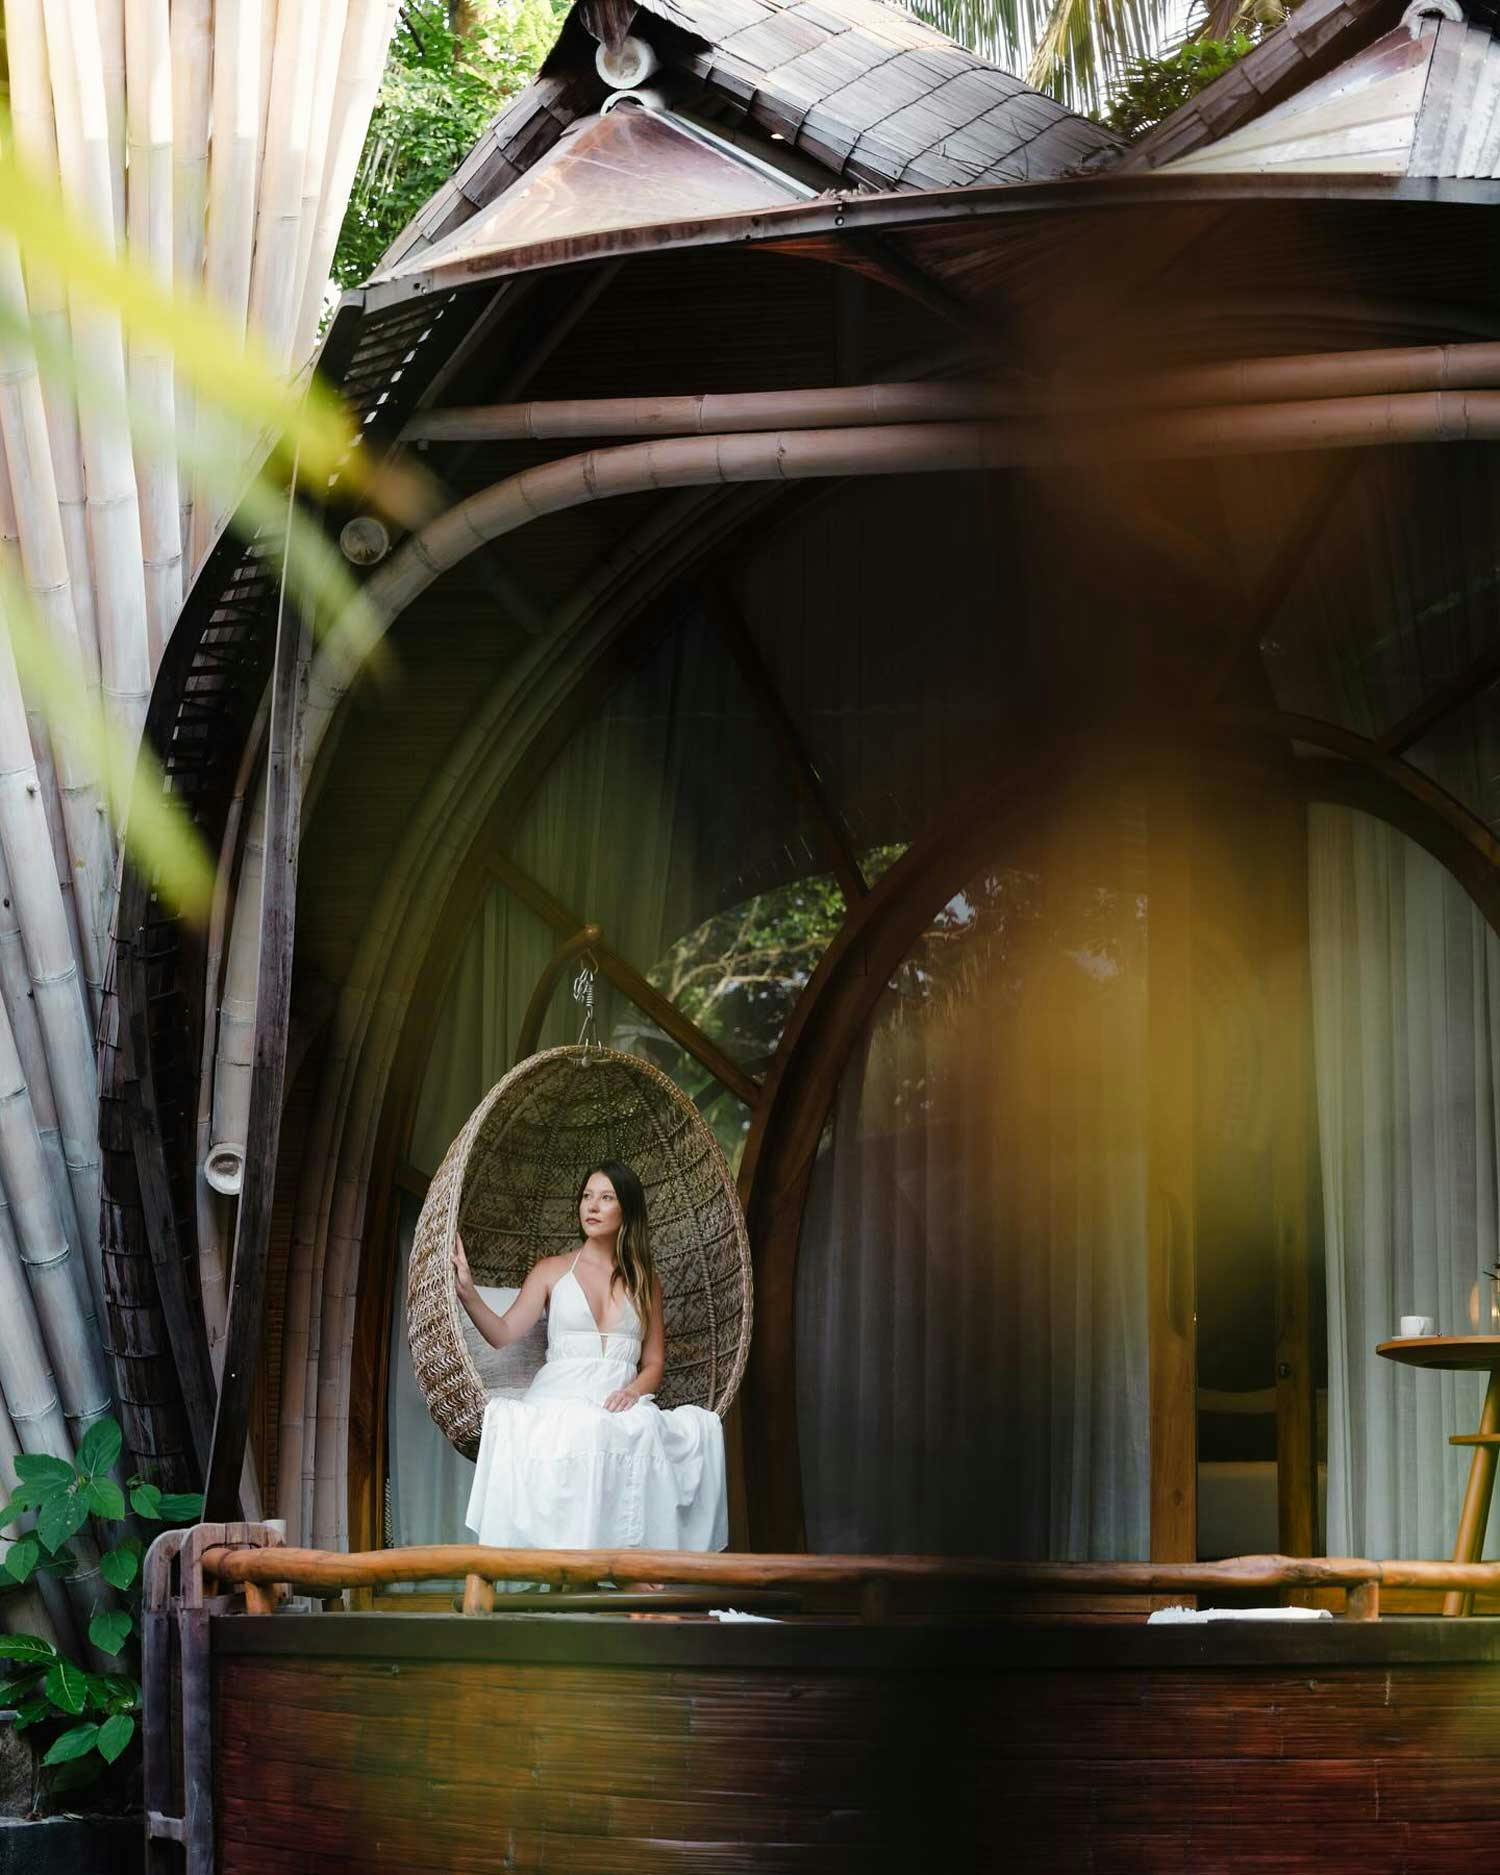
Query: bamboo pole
x=367, y=34
x=20, y=1008
x=331, y=21
x=233, y=158
x=36, y=144
x=273, y=278
x=54, y=973
x=192, y=54
x=110, y=28
x=109, y=472
x=57, y=1278
x=149, y=44
x=215, y=1208
x=34, y=1610
x=89, y=864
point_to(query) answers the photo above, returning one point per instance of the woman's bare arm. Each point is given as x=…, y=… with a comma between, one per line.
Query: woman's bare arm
x=522, y=1315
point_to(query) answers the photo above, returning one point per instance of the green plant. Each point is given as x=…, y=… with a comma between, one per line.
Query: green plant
x=43, y=1685
x=1154, y=88
x=441, y=88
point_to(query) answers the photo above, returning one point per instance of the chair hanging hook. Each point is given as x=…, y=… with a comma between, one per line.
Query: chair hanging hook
x=583, y=995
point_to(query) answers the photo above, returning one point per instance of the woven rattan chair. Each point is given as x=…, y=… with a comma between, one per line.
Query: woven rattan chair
x=509, y=1182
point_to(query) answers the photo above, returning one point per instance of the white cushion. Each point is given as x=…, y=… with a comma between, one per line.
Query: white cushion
x=505, y=1373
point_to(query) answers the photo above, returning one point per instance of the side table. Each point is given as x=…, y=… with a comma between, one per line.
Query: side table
x=1464, y=1354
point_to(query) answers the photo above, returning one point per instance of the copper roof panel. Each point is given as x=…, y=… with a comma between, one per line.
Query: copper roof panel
x=631, y=168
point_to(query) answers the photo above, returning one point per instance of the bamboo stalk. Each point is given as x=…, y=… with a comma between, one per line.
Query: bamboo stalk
x=89, y=864
x=57, y=1279
x=20, y=1008
x=192, y=92
x=367, y=34
x=78, y=93
x=36, y=143
x=110, y=17
x=233, y=157
x=33, y=1611
x=331, y=20
x=214, y=1208
x=273, y=279
x=149, y=45
x=54, y=973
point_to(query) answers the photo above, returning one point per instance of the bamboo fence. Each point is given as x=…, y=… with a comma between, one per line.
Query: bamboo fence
x=217, y=146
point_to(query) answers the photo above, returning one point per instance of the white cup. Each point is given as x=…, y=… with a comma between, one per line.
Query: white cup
x=1414, y=1326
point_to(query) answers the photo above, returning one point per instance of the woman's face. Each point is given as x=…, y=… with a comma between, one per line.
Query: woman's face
x=599, y=1208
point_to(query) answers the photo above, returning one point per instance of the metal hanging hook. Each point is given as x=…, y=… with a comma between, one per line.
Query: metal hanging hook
x=583, y=995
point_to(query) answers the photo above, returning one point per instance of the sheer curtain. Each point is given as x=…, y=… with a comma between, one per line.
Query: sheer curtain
x=1406, y=1011
x=971, y=1313
x=645, y=824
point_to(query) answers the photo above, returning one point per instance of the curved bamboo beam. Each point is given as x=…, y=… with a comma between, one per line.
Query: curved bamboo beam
x=1310, y=376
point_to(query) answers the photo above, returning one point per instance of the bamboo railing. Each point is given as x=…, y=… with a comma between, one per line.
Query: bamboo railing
x=260, y=1570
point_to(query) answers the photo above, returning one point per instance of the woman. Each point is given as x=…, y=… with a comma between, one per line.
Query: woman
x=587, y=1460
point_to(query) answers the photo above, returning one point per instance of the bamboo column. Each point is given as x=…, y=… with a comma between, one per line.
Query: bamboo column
x=367, y=33
x=273, y=280
x=49, y=957
x=148, y=58
x=36, y=143
x=333, y=14
x=192, y=54
x=31, y=1610
x=83, y=142
x=44, y=560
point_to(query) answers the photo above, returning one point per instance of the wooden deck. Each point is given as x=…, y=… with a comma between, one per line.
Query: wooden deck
x=593, y=1745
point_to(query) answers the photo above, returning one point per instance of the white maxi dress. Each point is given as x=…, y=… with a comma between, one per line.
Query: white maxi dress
x=556, y=1471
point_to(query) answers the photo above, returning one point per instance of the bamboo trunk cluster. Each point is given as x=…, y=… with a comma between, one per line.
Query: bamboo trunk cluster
x=216, y=145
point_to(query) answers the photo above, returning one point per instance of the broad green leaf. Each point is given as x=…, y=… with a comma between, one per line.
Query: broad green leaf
x=41, y=1468
x=116, y=1692
x=73, y=1744
x=110, y=1630
x=181, y=1506
x=26, y=1647
x=114, y=1735
x=100, y=1447
x=12, y=1688
x=75, y=1776
x=33, y=1711
x=105, y=1499
x=120, y=1566
x=22, y=1558
x=64, y=1563
x=59, y=1518
x=67, y=1686
x=17, y=1506
x=145, y=1500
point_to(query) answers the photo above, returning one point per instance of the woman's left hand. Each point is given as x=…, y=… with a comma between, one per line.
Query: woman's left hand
x=620, y=1401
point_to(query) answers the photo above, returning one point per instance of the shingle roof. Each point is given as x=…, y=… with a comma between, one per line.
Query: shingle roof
x=871, y=95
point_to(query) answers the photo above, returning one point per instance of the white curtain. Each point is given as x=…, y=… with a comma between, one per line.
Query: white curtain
x=642, y=825
x=1406, y=1011
x=972, y=1365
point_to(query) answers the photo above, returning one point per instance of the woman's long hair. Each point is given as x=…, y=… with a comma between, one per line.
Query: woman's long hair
x=634, y=1263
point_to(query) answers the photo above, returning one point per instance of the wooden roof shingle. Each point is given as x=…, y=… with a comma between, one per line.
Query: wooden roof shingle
x=873, y=96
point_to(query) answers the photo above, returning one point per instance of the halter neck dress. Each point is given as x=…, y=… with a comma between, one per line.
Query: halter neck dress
x=556, y=1471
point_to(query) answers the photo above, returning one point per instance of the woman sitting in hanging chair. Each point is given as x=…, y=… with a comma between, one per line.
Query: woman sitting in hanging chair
x=586, y=1460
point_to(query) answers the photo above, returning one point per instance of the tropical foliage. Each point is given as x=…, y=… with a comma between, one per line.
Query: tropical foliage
x=443, y=83
x=1155, y=88
x=92, y=1715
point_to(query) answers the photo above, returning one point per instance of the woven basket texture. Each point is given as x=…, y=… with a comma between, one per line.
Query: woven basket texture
x=509, y=1182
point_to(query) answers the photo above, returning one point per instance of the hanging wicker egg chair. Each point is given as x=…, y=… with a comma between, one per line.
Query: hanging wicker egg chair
x=509, y=1184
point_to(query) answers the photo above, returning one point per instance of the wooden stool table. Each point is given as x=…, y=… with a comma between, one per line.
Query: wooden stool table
x=1464, y=1354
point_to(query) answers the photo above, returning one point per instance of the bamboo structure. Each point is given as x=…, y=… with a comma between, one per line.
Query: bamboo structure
x=178, y=139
